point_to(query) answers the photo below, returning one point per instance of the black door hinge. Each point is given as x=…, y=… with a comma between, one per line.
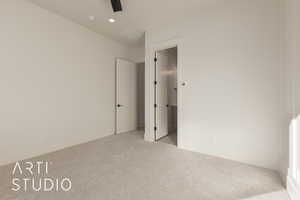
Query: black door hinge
x=155, y=105
x=155, y=128
x=155, y=59
x=155, y=82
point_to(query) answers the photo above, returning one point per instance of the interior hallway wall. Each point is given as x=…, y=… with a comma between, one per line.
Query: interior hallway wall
x=230, y=57
x=141, y=95
x=172, y=90
x=57, y=82
x=172, y=76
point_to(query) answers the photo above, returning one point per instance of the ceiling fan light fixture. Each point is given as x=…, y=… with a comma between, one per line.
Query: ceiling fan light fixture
x=116, y=5
x=111, y=20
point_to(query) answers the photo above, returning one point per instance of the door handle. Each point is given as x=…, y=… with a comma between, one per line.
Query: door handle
x=119, y=105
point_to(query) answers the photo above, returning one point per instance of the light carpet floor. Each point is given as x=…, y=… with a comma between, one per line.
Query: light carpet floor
x=125, y=167
x=280, y=195
x=169, y=139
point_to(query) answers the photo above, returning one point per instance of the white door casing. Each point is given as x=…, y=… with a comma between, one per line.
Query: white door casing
x=149, y=86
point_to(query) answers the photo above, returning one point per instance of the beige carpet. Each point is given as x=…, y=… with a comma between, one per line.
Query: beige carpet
x=169, y=139
x=124, y=167
x=280, y=195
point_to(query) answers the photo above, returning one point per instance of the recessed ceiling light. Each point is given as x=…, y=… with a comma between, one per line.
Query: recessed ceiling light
x=92, y=18
x=111, y=20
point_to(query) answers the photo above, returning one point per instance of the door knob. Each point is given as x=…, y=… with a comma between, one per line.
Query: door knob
x=119, y=105
x=184, y=83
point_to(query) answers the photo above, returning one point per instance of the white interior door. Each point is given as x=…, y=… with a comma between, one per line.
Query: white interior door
x=161, y=94
x=126, y=101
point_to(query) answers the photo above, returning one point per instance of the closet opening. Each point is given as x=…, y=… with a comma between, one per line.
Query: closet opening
x=165, y=96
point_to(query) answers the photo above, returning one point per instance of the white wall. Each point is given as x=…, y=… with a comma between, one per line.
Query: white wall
x=56, y=82
x=230, y=57
x=286, y=97
x=293, y=67
x=137, y=54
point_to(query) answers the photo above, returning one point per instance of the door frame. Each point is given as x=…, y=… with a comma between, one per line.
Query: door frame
x=116, y=90
x=176, y=42
x=293, y=178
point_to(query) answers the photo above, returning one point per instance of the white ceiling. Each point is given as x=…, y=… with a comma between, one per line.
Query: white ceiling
x=137, y=16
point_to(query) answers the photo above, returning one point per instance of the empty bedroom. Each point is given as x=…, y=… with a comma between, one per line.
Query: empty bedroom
x=149, y=99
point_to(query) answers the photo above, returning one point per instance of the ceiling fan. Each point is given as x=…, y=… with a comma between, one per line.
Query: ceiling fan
x=116, y=5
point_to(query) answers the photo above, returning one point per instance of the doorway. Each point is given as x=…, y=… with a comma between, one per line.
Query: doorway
x=126, y=96
x=130, y=96
x=165, y=96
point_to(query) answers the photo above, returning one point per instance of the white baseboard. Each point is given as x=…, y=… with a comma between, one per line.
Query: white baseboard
x=293, y=188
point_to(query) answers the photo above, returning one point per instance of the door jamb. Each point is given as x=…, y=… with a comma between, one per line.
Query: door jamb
x=116, y=95
x=116, y=90
x=177, y=42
